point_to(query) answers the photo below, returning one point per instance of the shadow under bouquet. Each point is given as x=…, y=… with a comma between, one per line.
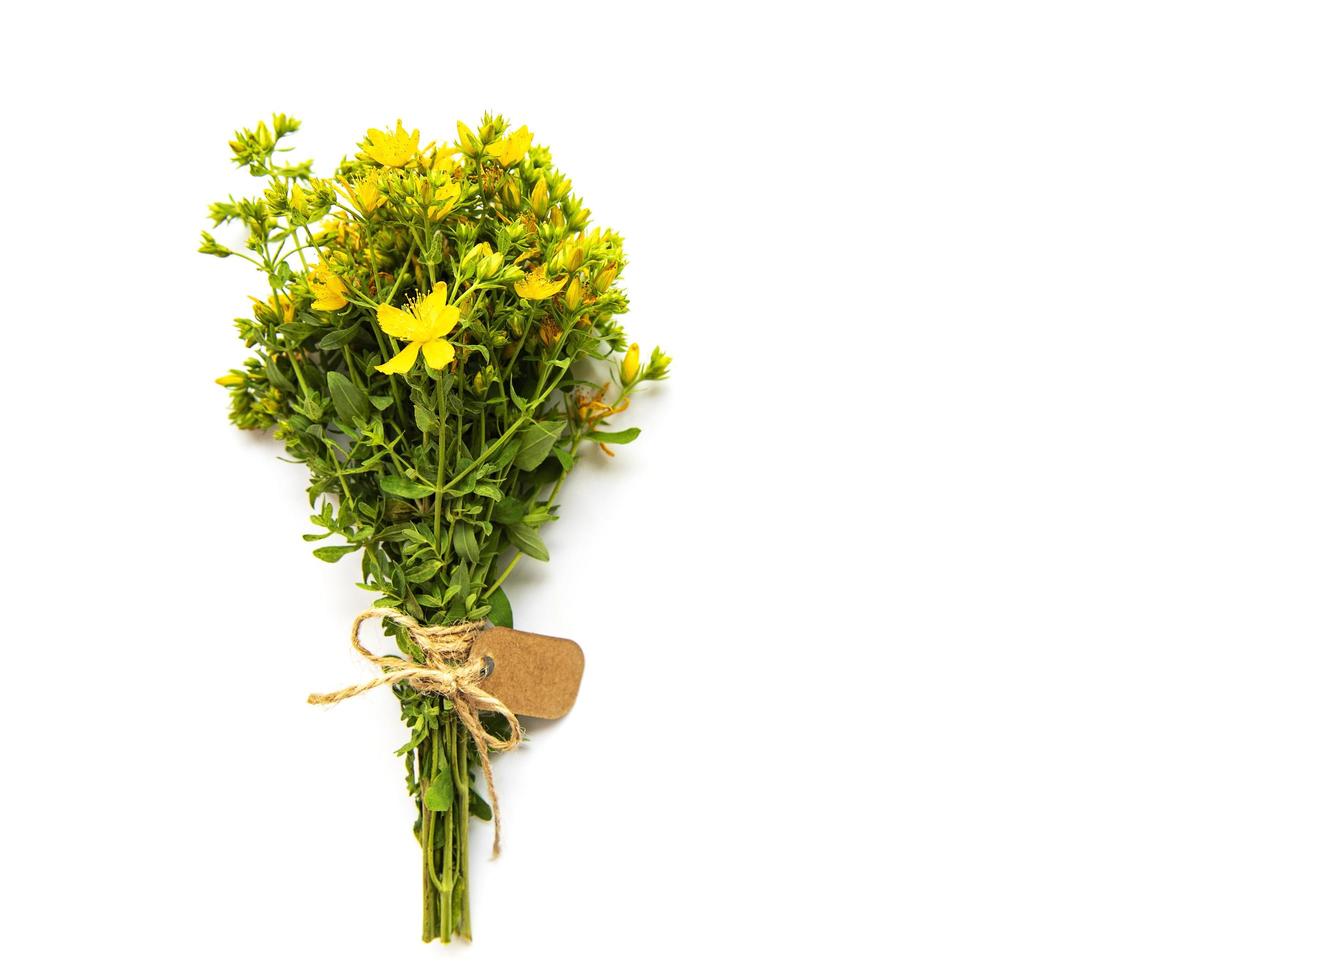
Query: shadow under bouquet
x=436, y=340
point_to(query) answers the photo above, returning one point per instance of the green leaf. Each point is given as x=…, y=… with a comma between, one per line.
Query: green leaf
x=334, y=552
x=424, y=419
x=336, y=339
x=423, y=572
x=398, y=486
x=563, y=457
x=441, y=792
x=500, y=614
x=350, y=402
x=381, y=402
x=620, y=438
x=466, y=543
x=277, y=377
x=508, y=510
x=535, y=442
x=527, y=539
x=479, y=806
x=460, y=579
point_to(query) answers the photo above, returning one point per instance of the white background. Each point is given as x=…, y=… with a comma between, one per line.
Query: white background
x=965, y=610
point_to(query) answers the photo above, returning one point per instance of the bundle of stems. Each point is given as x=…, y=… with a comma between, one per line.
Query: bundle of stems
x=436, y=340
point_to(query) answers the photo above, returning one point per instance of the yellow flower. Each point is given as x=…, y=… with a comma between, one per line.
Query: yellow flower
x=444, y=198
x=231, y=380
x=510, y=149
x=327, y=288
x=298, y=197
x=539, y=286
x=423, y=324
x=392, y=149
x=442, y=159
x=632, y=360
x=366, y=193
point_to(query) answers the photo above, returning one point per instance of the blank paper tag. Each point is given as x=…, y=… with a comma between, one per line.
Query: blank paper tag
x=532, y=675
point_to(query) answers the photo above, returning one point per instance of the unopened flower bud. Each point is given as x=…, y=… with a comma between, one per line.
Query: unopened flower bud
x=511, y=193
x=539, y=196
x=231, y=380
x=606, y=278
x=473, y=257
x=489, y=266
x=573, y=255
x=469, y=143
x=660, y=362
x=575, y=295
x=632, y=362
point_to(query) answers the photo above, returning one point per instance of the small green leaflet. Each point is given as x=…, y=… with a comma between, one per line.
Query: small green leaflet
x=509, y=510
x=398, y=486
x=350, y=403
x=526, y=538
x=535, y=442
x=441, y=792
x=334, y=552
x=336, y=339
x=500, y=614
x=466, y=543
x=619, y=438
x=424, y=419
x=479, y=807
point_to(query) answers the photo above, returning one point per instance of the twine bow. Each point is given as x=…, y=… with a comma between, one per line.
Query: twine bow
x=451, y=669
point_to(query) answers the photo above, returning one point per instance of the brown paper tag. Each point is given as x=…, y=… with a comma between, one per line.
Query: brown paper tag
x=532, y=675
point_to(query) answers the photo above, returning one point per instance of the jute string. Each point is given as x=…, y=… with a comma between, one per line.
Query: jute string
x=451, y=669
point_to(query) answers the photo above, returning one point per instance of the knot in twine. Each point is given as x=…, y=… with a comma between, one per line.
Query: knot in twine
x=450, y=669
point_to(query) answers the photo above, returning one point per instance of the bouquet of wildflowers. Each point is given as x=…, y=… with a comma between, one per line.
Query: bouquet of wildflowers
x=436, y=340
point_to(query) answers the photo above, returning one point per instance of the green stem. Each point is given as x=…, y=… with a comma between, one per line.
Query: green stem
x=502, y=439
x=515, y=559
x=441, y=457
x=462, y=779
x=447, y=882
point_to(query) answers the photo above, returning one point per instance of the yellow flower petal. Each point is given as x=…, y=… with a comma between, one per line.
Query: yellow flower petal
x=442, y=159
x=444, y=323
x=438, y=353
x=396, y=323
x=444, y=199
x=432, y=305
x=511, y=148
x=538, y=286
x=401, y=362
